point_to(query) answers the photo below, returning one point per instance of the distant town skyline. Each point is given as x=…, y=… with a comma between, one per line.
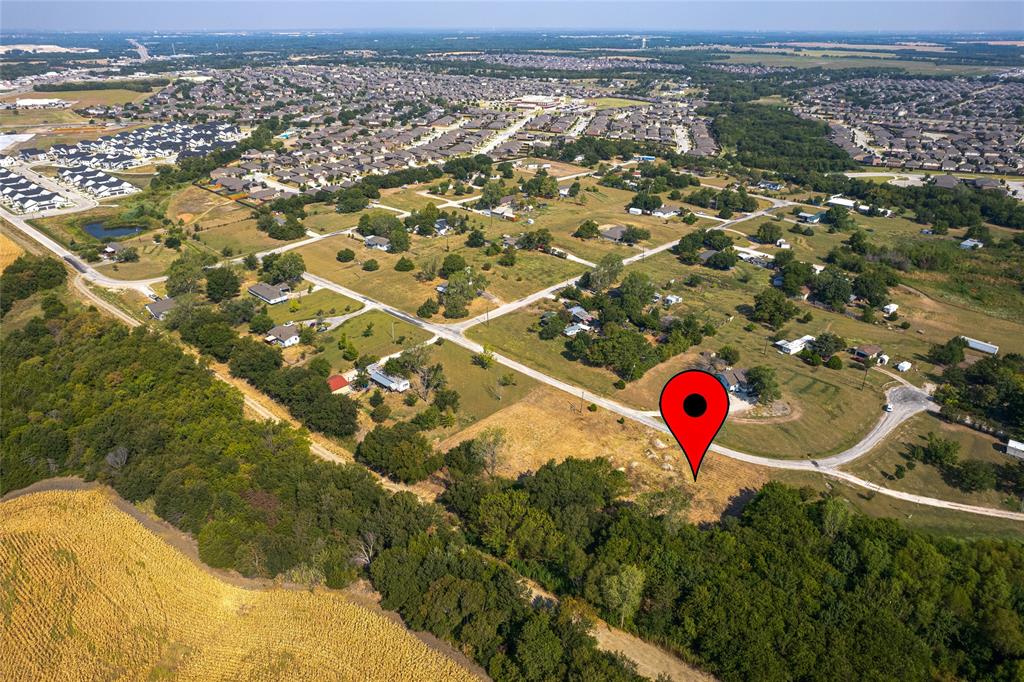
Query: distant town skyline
x=913, y=16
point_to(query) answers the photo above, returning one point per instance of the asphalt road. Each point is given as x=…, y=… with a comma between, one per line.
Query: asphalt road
x=906, y=399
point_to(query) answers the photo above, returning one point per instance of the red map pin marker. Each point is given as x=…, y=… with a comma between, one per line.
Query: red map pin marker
x=694, y=404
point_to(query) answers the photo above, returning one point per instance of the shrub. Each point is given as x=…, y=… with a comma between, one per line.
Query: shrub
x=371, y=265
x=345, y=256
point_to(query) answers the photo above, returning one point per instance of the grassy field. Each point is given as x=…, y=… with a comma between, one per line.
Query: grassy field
x=933, y=520
x=23, y=118
x=89, y=590
x=372, y=333
x=481, y=392
x=606, y=207
x=532, y=271
x=322, y=302
x=192, y=204
x=408, y=198
x=558, y=169
x=88, y=98
x=511, y=335
x=153, y=259
x=923, y=479
x=614, y=102
x=323, y=218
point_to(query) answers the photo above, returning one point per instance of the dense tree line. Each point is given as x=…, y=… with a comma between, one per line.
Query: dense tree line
x=795, y=588
x=776, y=139
x=84, y=396
x=991, y=389
x=961, y=206
x=26, y=275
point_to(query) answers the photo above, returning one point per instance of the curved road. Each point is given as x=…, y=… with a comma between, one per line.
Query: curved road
x=906, y=399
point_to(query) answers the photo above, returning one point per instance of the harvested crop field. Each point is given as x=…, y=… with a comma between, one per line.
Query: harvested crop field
x=89, y=593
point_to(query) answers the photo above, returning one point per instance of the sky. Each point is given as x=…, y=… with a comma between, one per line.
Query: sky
x=678, y=15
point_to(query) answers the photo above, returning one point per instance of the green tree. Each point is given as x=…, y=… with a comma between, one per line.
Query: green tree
x=622, y=592
x=763, y=383
x=772, y=308
x=222, y=283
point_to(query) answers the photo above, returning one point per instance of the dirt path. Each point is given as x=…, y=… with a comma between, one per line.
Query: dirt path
x=651, y=661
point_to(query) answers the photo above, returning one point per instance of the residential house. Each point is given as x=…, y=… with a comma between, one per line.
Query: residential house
x=389, y=381
x=377, y=242
x=867, y=351
x=159, y=309
x=272, y=294
x=795, y=346
x=734, y=380
x=339, y=385
x=283, y=335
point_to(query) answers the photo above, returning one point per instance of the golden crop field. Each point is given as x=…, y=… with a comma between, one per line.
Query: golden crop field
x=88, y=593
x=9, y=251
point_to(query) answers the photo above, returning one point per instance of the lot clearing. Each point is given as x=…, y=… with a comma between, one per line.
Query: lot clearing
x=550, y=425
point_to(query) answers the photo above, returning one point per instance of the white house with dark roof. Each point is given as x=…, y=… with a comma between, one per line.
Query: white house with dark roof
x=283, y=335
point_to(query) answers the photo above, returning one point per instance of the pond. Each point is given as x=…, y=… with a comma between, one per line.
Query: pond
x=96, y=229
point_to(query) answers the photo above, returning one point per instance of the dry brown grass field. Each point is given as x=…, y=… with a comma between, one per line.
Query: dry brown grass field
x=88, y=593
x=9, y=251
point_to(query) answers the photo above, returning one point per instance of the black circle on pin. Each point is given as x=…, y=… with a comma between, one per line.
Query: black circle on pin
x=695, y=405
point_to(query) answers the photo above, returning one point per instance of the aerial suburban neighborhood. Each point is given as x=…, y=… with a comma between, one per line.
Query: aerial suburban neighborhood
x=351, y=353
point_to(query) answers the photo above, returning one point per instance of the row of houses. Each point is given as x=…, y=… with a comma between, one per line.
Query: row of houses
x=25, y=196
x=131, y=148
x=96, y=182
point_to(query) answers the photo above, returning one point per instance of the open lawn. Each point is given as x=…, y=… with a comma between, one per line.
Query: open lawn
x=372, y=333
x=482, y=392
x=408, y=198
x=878, y=465
x=153, y=259
x=320, y=303
x=89, y=98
